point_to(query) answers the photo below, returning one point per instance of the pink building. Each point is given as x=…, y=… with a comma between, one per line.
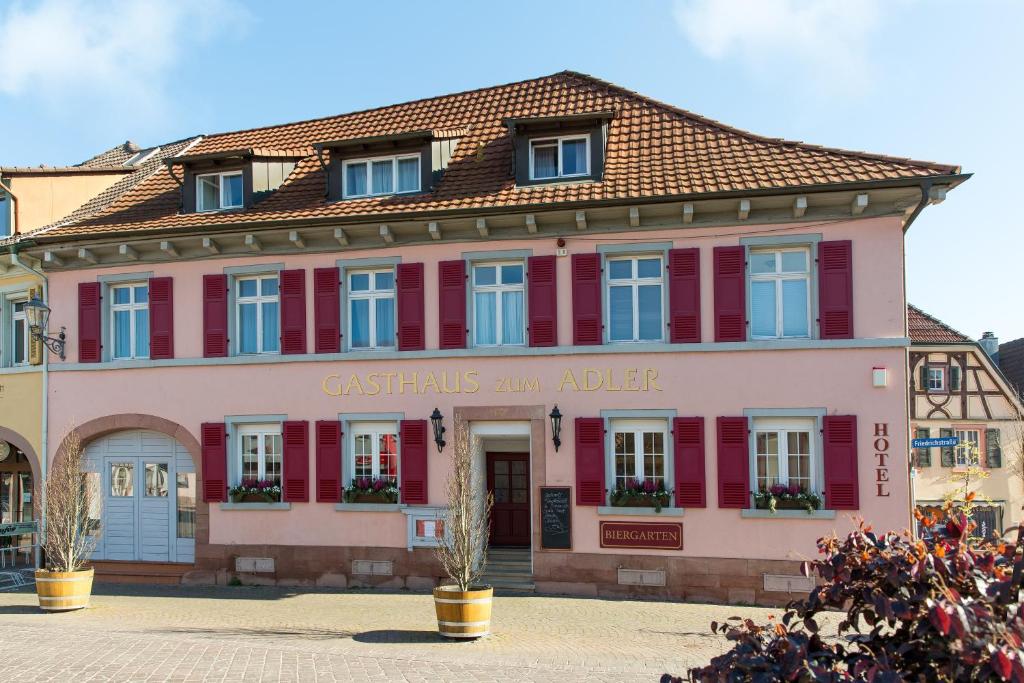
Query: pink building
x=715, y=314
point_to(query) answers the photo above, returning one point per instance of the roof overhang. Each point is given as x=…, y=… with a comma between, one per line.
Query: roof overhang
x=557, y=121
x=244, y=153
x=63, y=170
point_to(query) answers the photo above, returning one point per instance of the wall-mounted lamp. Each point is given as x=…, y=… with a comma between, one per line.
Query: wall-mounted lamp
x=437, y=420
x=556, y=427
x=38, y=315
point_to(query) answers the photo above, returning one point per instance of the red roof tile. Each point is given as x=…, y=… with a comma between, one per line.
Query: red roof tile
x=924, y=329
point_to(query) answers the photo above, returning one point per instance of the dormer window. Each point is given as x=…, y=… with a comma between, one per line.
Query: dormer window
x=379, y=176
x=561, y=157
x=217, y=191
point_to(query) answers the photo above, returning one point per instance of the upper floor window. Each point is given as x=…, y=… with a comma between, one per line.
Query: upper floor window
x=381, y=175
x=129, y=321
x=216, y=191
x=561, y=157
x=260, y=453
x=20, y=338
x=371, y=320
x=257, y=314
x=635, y=295
x=639, y=447
x=784, y=454
x=780, y=304
x=936, y=377
x=5, y=215
x=498, y=291
x=969, y=440
x=374, y=451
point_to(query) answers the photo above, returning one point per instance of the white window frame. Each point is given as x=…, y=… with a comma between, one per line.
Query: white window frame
x=634, y=282
x=259, y=299
x=560, y=141
x=220, y=188
x=372, y=295
x=941, y=376
x=22, y=318
x=131, y=307
x=779, y=277
x=638, y=427
x=500, y=290
x=782, y=426
x=368, y=161
x=960, y=450
x=260, y=431
x=375, y=430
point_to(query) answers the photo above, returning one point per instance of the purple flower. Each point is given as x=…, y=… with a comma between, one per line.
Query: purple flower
x=777, y=489
x=794, y=489
x=378, y=484
x=649, y=486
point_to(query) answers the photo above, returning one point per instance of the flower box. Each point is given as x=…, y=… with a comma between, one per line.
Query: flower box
x=628, y=501
x=781, y=497
x=781, y=504
x=255, y=491
x=254, y=498
x=366, y=490
x=383, y=498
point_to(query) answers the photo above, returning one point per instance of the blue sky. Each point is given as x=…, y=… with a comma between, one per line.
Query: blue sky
x=934, y=80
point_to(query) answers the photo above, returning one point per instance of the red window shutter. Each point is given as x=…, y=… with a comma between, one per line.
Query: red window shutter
x=411, y=320
x=730, y=294
x=412, y=439
x=328, y=461
x=590, y=461
x=835, y=289
x=451, y=292
x=841, y=487
x=89, y=326
x=215, y=316
x=542, y=300
x=327, y=310
x=689, y=462
x=161, y=318
x=215, y=461
x=587, y=327
x=684, y=295
x=295, y=435
x=293, y=311
x=733, y=463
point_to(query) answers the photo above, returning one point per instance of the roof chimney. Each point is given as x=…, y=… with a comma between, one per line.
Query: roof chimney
x=990, y=343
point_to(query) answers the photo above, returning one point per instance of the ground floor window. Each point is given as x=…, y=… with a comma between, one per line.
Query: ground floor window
x=260, y=453
x=374, y=452
x=639, y=452
x=784, y=454
x=186, y=499
x=970, y=439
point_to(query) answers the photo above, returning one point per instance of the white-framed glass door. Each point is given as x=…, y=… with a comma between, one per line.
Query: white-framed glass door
x=139, y=510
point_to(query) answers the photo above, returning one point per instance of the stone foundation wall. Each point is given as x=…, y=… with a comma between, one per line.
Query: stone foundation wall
x=700, y=579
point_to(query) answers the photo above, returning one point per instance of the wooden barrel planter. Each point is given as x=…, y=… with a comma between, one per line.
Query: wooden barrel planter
x=463, y=614
x=63, y=591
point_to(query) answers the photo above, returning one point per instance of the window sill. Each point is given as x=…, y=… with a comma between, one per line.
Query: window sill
x=612, y=511
x=369, y=507
x=787, y=514
x=255, y=506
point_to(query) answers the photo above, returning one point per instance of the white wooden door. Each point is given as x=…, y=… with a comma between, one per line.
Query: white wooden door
x=118, y=523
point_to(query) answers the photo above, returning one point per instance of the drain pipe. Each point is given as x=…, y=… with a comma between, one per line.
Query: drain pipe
x=44, y=435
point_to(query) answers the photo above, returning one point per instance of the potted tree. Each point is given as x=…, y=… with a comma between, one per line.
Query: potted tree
x=463, y=606
x=72, y=504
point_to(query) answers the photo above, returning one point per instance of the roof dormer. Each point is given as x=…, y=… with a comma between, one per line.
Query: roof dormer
x=559, y=149
x=232, y=179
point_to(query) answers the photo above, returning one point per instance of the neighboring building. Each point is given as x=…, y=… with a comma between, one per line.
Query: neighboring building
x=1011, y=361
x=957, y=390
x=710, y=310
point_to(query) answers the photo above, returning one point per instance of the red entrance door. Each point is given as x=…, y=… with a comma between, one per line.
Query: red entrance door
x=508, y=478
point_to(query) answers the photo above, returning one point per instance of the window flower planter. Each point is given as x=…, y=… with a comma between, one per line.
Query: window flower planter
x=253, y=491
x=780, y=497
x=366, y=490
x=641, y=494
x=254, y=498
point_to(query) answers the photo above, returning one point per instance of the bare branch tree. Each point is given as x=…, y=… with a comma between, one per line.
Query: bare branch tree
x=72, y=501
x=462, y=548
x=1014, y=447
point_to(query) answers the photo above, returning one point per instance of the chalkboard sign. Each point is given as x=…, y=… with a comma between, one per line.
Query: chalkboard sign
x=556, y=517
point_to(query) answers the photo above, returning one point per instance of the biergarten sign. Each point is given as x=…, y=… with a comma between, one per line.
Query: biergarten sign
x=645, y=535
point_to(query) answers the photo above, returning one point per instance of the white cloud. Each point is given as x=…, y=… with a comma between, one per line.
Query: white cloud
x=826, y=39
x=119, y=51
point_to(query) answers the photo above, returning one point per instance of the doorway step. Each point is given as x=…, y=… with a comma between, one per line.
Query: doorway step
x=509, y=569
x=115, y=571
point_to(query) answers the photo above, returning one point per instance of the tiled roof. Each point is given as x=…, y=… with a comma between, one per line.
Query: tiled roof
x=924, y=329
x=115, y=155
x=1011, y=362
x=653, y=150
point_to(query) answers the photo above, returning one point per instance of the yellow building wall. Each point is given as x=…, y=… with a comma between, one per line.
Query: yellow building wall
x=21, y=405
x=43, y=199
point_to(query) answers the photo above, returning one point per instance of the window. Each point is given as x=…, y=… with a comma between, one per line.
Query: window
x=5, y=215
x=20, y=338
x=257, y=318
x=780, y=303
x=186, y=500
x=122, y=475
x=216, y=191
x=498, y=292
x=635, y=294
x=381, y=175
x=156, y=479
x=936, y=378
x=639, y=447
x=371, y=319
x=563, y=157
x=969, y=440
x=259, y=455
x=129, y=321
x=784, y=453
x=374, y=452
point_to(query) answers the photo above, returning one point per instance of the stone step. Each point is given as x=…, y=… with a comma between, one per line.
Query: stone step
x=506, y=585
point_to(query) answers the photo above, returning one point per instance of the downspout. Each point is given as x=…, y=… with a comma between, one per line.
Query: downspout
x=44, y=436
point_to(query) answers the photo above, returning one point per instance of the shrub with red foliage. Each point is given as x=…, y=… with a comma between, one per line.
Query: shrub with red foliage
x=942, y=609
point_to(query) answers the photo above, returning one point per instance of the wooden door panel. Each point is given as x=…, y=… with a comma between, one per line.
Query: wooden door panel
x=508, y=480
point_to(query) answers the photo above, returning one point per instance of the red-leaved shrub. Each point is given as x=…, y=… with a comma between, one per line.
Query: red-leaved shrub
x=948, y=608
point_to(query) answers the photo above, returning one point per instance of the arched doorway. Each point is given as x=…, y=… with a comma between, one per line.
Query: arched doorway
x=19, y=469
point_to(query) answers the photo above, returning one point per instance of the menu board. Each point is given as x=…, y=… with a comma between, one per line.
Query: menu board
x=556, y=517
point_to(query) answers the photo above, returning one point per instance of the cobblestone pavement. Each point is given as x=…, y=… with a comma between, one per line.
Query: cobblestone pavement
x=156, y=633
